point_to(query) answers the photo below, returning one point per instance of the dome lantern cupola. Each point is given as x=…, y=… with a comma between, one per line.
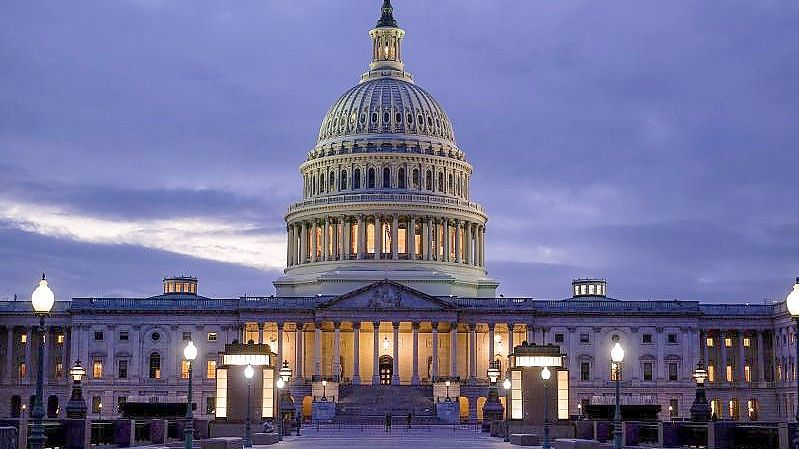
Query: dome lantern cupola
x=386, y=42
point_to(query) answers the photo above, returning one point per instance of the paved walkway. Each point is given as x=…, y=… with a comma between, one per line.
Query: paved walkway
x=438, y=438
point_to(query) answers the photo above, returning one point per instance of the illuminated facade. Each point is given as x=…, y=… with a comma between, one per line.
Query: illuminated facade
x=386, y=284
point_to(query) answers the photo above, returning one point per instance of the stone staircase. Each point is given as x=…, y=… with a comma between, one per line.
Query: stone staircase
x=370, y=403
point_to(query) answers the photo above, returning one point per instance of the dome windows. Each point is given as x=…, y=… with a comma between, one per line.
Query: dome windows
x=374, y=117
x=386, y=118
x=440, y=182
x=410, y=118
x=356, y=179
x=401, y=178
x=343, y=180
x=398, y=117
x=386, y=178
x=415, y=178
x=429, y=180
x=370, y=178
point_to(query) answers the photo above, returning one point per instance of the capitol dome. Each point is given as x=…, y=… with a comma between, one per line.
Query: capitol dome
x=386, y=106
x=386, y=191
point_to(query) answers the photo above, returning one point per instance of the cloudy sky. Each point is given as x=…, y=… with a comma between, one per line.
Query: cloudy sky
x=651, y=143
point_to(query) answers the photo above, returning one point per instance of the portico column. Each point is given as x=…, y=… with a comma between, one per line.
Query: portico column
x=415, y=364
x=356, y=353
x=317, y=351
x=298, y=352
x=472, y=352
x=325, y=239
x=394, y=237
x=453, y=349
x=361, y=237
x=260, y=338
x=490, y=343
x=314, y=243
x=434, y=374
x=530, y=333
x=510, y=338
x=297, y=240
x=458, y=241
x=289, y=236
x=378, y=237
x=395, y=379
x=723, y=356
x=279, y=345
x=761, y=364
x=446, y=240
x=336, y=366
x=741, y=357
x=478, y=246
x=376, y=353
x=410, y=238
x=304, y=243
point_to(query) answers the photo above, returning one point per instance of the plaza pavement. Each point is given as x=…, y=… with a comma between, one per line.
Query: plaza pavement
x=399, y=438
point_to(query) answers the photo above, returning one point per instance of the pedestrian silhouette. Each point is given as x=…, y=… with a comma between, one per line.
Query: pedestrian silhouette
x=388, y=422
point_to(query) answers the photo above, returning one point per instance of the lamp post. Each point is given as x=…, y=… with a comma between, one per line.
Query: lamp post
x=492, y=410
x=580, y=410
x=700, y=411
x=189, y=353
x=249, y=372
x=280, y=384
x=447, y=384
x=792, y=301
x=42, y=301
x=76, y=407
x=285, y=401
x=506, y=385
x=617, y=356
x=546, y=374
x=324, y=390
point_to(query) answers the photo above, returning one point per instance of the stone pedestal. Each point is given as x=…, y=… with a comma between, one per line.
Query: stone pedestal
x=449, y=412
x=323, y=411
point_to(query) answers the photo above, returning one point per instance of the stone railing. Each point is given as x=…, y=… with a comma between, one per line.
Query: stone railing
x=88, y=304
x=409, y=198
x=544, y=305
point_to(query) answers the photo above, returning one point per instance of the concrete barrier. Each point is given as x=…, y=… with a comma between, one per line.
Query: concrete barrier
x=222, y=443
x=573, y=443
x=524, y=439
x=265, y=439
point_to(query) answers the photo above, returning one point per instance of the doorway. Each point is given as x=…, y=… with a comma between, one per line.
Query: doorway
x=386, y=366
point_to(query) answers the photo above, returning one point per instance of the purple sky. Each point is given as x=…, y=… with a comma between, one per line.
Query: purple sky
x=651, y=143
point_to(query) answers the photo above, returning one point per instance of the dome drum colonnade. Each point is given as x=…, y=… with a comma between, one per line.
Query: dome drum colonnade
x=386, y=182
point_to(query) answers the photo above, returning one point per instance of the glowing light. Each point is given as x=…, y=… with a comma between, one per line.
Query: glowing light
x=190, y=351
x=42, y=298
x=792, y=301
x=249, y=372
x=545, y=373
x=617, y=353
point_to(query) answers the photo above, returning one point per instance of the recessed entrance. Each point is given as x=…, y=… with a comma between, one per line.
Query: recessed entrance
x=386, y=366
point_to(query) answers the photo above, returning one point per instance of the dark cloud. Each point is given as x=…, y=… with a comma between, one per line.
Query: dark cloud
x=653, y=144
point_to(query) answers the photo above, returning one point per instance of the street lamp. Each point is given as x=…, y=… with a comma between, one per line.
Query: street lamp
x=492, y=410
x=580, y=410
x=76, y=407
x=324, y=390
x=546, y=374
x=42, y=300
x=249, y=372
x=280, y=384
x=617, y=356
x=447, y=384
x=700, y=411
x=792, y=301
x=506, y=385
x=285, y=401
x=189, y=353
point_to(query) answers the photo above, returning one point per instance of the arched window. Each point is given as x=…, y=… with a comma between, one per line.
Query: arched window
x=356, y=179
x=343, y=180
x=331, y=180
x=429, y=181
x=401, y=178
x=451, y=184
x=370, y=178
x=155, y=366
x=321, y=183
x=440, y=182
x=416, y=184
x=386, y=178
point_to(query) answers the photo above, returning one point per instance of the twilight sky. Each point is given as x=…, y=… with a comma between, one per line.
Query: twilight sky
x=651, y=143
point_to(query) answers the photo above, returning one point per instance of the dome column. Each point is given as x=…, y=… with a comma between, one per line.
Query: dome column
x=395, y=237
x=346, y=230
x=458, y=241
x=378, y=242
x=290, y=245
x=446, y=241
x=313, y=241
x=468, y=249
x=410, y=238
x=326, y=239
x=304, y=243
x=426, y=238
x=482, y=246
x=361, y=237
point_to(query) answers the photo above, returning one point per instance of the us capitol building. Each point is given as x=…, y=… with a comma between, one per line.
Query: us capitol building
x=386, y=284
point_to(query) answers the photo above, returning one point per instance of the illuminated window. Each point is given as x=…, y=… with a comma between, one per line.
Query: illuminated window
x=23, y=338
x=728, y=376
x=711, y=373
x=615, y=372
x=728, y=342
x=184, y=369
x=211, y=336
x=747, y=373
x=22, y=369
x=747, y=342
x=674, y=408
x=753, y=408
x=516, y=395
x=709, y=342
x=59, y=339
x=59, y=368
x=155, y=366
x=715, y=408
x=97, y=369
x=735, y=412
x=210, y=368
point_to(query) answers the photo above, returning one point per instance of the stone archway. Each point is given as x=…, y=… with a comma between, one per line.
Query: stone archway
x=307, y=407
x=463, y=402
x=481, y=401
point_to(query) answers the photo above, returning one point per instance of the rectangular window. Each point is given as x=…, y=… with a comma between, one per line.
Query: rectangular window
x=184, y=369
x=97, y=369
x=648, y=371
x=674, y=408
x=585, y=338
x=210, y=405
x=646, y=338
x=59, y=368
x=97, y=404
x=211, y=369
x=121, y=401
x=98, y=336
x=23, y=338
x=516, y=407
x=155, y=366
x=747, y=342
x=672, y=338
x=59, y=339
x=709, y=342
x=585, y=371
x=22, y=370
x=734, y=409
x=123, y=336
x=672, y=371
x=187, y=336
x=715, y=408
x=711, y=373
x=747, y=373
x=728, y=342
x=211, y=336
x=728, y=376
x=558, y=338
x=122, y=369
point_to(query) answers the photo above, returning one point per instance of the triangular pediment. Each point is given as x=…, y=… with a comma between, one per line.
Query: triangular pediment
x=386, y=295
